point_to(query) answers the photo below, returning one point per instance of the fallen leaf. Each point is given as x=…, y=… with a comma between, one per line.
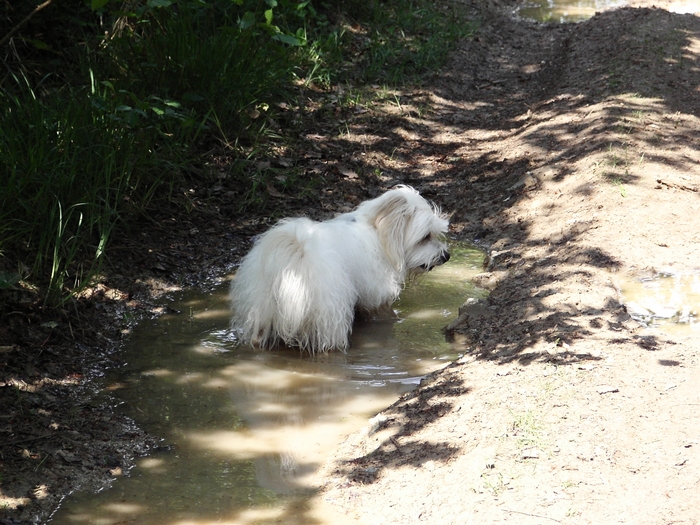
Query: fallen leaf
x=346, y=172
x=272, y=190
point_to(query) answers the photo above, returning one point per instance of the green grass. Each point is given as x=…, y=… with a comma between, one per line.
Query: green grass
x=68, y=164
x=526, y=428
x=394, y=42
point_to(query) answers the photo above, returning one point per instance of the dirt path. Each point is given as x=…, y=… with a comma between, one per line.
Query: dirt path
x=571, y=153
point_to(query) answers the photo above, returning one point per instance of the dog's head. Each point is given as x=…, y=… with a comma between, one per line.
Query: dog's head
x=410, y=230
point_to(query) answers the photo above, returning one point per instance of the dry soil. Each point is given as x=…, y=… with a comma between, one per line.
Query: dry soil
x=571, y=153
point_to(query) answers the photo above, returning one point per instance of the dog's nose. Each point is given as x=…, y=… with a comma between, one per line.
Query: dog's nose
x=442, y=259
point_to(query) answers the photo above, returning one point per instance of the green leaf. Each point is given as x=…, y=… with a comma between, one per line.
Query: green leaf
x=39, y=44
x=193, y=97
x=287, y=39
x=8, y=279
x=268, y=16
x=271, y=3
x=247, y=21
x=159, y=3
x=99, y=103
x=97, y=4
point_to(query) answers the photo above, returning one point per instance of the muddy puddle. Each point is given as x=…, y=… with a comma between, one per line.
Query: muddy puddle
x=244, y=430
x=667, y=301
x=565, y=10
x=560, y=11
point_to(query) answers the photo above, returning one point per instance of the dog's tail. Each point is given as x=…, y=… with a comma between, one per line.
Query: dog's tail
x=284, y=294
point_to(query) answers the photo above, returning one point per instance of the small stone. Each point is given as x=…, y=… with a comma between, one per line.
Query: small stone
x=530, y=453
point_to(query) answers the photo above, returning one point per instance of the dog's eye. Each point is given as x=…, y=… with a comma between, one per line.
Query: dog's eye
x=427, y=238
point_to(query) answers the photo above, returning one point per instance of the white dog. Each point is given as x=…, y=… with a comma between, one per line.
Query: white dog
x=303, y=280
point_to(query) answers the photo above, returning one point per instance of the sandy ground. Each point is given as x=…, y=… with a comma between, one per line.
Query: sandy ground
x=571, y=153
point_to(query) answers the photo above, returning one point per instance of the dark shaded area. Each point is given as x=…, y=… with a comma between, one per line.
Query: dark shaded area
x=50, y=425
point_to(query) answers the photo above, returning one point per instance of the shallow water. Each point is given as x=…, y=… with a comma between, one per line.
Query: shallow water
x=668, y=301
x=580, y=10
x=565, y=10
x=248, y=428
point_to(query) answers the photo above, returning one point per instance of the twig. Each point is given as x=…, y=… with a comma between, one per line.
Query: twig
x=677, y=186
x=27, y=440
x=26, y=19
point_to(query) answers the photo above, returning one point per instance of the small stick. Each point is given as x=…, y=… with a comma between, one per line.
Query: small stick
x=26, y=19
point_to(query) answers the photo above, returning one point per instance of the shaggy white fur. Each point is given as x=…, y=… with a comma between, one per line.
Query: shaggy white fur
x=303, y=280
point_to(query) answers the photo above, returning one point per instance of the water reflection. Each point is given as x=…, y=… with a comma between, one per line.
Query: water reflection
x=248, y=428
x=668, y=300
x=560, y=11
x=565, y=10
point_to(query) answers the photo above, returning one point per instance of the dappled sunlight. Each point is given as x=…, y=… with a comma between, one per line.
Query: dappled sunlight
x=691, y=52
x=153, y=464
x=124, y=508
x=566, y=151
x=285, y=432
x=294, y=512
x=12, y=503
x=160, y=372
x=220, y=313
x=123, y=511
x=612, y=143
x=247, y=517
x=249, y=428
x=208, y=349
x=216, y=383
x=428, y=313
x=195, y=378
x=257, y=374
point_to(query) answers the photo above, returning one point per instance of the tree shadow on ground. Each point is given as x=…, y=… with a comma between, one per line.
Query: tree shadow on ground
x=391, y=436
x=582, y=95
x=566, y=96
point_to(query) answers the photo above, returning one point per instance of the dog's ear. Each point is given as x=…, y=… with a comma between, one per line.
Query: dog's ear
x=390, y=219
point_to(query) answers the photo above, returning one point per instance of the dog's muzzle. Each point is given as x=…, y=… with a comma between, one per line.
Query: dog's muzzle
x=442, y=259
